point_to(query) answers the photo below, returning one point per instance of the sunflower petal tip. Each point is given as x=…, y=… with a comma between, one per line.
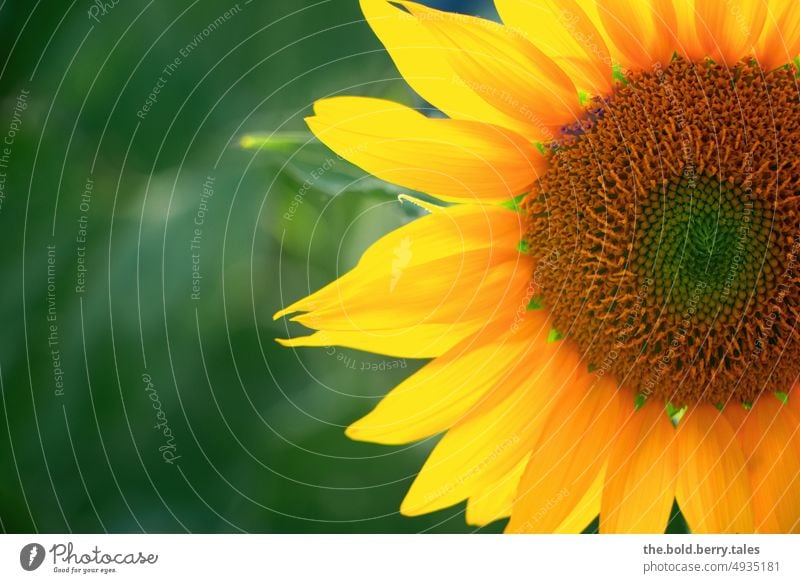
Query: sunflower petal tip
x=409, y=507
x=281, y=313
x=352, y=432
x=361, y=431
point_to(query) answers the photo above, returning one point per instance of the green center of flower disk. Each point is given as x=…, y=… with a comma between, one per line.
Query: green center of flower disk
x=666, y=229
x=703, y=249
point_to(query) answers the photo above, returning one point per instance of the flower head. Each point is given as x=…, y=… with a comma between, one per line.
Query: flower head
x=625, y=334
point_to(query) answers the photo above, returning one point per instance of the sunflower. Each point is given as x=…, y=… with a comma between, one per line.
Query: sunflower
x=608, y=284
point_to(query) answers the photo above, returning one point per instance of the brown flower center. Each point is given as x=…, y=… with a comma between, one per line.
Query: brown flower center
x=673, y=211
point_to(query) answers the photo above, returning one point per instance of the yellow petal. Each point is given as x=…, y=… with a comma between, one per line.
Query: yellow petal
x=494, y=502
x=640, y=484
x=642, y=32
x=563, y=31
x=729, y=30
x=586, y=510
x=446, y=234
x=424, y=64
x=567, y=458
x=451, y=272
x=769, y=435
x=445, y=390
x=446, y=290
x=506, y=70
x=422, y=341
x=454, y=160
x=489, y=442
x=712, y=486
x=779, y=42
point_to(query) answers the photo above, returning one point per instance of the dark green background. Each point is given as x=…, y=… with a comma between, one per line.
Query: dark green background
x=258, y=428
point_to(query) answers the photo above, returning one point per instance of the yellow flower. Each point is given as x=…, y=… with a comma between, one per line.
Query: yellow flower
x=626, y=333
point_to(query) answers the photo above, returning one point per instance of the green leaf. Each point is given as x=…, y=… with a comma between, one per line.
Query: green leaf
x=536, y=303
x=618, y=75
x=675, y=414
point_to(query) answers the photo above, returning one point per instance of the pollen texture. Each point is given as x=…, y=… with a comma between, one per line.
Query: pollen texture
x=672, y=209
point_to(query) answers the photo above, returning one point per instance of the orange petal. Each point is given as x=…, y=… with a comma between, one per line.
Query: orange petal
x=769, y=435
x=729, y=30
x=794, y=399
x=779, y=43
x=586, y=510
x=687, y=42
x=454, y=160
x=486, y=445
x=712, y=488
x=506, y=70
x=564, y=32
x=642, y=32
x=640, y=482
x=567, y=458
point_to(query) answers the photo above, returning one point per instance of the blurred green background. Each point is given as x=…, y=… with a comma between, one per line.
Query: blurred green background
x=102, y=189
x=144, y=251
